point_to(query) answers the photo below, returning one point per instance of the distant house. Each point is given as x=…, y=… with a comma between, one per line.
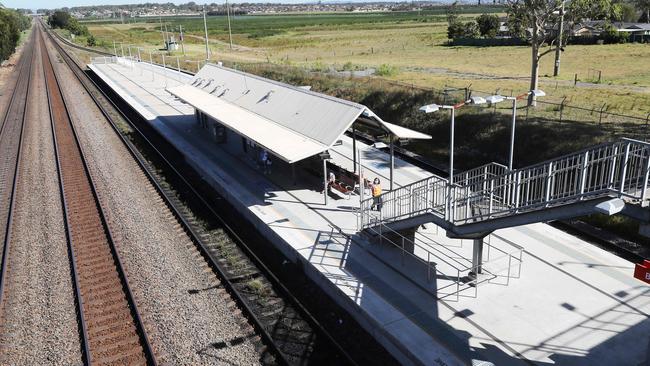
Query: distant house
x=639, y=32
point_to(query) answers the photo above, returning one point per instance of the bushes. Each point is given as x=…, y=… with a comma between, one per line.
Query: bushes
x=11, y=24
x=488, y=25
x=386, y=70
x=485, y=25
x=91, y=41
x=63, y=20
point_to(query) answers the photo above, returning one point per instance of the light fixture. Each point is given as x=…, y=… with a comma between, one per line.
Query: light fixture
x=493, y=99
x=430, y=108
x=477, y=100
x=538, y=93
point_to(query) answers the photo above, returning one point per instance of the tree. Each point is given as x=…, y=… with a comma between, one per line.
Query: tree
x=537, y=21
x=488, y=25
x=456, y=30
x=644, y=6
x=628, y=13
x=11, y=24
x=63, y=20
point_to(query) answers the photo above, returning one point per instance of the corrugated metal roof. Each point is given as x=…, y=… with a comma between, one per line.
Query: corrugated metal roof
x=291, y=122
x=318, y=116
x=279, y=140
x=404, y=133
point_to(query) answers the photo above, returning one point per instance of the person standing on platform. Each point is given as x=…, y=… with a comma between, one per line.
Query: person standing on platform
x=376, y=194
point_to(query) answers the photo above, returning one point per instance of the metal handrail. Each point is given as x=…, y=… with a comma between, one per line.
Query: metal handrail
x=618, y=169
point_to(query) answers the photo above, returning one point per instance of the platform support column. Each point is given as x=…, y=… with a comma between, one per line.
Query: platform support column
x=293, y=173
x=392, y=161
x=354, y=148
x=325, y=180
x=477, y=257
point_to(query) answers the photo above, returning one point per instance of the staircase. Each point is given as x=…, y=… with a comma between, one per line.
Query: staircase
x=491, y=197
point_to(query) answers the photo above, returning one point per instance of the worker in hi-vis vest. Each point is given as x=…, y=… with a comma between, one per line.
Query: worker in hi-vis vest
x=376, y=195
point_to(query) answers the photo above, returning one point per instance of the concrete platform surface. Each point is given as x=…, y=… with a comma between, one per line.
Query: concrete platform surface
x=569, y=303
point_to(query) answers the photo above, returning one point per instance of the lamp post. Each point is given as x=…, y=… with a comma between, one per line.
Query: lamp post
x=493, y=99
x=430, y=108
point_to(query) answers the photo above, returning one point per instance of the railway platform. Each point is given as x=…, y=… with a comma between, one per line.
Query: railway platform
x=545, y=297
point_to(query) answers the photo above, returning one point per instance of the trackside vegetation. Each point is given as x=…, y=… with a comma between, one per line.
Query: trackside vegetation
x=12, y=23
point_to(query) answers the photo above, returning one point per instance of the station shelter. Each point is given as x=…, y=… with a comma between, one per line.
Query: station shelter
x=289, y=125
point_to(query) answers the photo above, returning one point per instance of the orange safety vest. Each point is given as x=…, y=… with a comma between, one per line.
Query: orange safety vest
x=376, y=190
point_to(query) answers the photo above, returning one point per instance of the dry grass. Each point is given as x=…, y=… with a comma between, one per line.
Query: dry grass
x=418, y=51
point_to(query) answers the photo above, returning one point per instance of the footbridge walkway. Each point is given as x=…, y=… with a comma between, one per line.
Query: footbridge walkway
x=608, y=178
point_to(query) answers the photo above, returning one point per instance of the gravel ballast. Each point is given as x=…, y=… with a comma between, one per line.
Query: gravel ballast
x=189, y=317
x=40, y=323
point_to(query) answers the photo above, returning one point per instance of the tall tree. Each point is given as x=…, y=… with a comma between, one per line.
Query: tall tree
x=538, y=21
x=644, y=6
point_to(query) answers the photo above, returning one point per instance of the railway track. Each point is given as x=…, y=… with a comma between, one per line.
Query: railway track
x=284, y=324
x=11, y=141
x=112, y=329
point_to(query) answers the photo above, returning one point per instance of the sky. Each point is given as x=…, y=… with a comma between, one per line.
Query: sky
x=51, y=4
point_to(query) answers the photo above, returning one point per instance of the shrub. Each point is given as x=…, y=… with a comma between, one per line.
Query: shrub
x=91, y=41
x=456, y=30
x=386, y=70
x=610, y=35
x=488, y=25
x=471, y=30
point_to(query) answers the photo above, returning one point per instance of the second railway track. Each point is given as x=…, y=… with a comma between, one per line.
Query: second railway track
x=112, y=329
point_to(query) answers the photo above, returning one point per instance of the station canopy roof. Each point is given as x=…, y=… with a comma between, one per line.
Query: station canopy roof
x=291, y=122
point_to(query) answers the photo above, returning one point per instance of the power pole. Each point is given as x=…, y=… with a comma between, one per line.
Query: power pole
x=558, y=46
x=205, y=27
x=180, y=29
x=229, y=31
x=162, y=31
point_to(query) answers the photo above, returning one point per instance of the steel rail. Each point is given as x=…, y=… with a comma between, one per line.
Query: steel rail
x=139, y=324
x=196, y=238
x=26, y=57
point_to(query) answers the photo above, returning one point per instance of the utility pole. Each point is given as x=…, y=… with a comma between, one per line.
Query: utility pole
x=166, y=37
x=558, y=46
x=162, y=31
x=205, y=27
x=229, y=30
x=180, y=28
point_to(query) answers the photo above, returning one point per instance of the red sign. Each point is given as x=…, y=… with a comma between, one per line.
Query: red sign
x=642, y=271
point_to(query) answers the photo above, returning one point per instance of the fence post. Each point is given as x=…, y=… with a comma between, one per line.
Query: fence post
x=600, y=119
x=575, y=79
x=647, y=119
x=562, y=108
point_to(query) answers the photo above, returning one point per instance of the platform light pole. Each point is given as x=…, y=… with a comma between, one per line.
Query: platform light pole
x=430, y=108
x=205, y=28
x=493, y=99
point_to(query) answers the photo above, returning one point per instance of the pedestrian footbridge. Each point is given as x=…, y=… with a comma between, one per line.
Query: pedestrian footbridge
x=608, y=178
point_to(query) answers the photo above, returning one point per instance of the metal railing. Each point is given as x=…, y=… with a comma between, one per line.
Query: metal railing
x=453, y=272
x=617, y=169
x=451, y=282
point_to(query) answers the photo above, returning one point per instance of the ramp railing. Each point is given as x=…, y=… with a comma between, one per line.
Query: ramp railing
x=617, y=169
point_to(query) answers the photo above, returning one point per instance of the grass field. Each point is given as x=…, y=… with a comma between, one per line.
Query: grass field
x=413, y=44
